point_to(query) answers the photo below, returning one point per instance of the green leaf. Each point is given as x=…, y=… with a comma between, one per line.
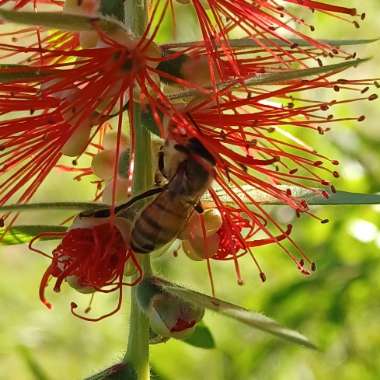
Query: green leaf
x=33, y=365
x=23, y=234
x=276, y=78
x=53, y=206
x=285, y=76
x=238, y=313
x=344, y=198
x=63, y=21
x=201, y=337
x=9, y=73
x=248, y=42
x=312, y=196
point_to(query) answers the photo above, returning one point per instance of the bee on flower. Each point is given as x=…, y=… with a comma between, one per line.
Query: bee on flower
x=223, y=109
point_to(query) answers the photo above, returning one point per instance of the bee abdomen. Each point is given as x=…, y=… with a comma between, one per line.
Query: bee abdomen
x=157, y=225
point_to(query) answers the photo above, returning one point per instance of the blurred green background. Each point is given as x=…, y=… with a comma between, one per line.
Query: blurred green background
x=338, y=307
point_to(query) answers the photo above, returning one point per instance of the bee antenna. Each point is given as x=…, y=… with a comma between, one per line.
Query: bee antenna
x=145, y=194
x=193, y=121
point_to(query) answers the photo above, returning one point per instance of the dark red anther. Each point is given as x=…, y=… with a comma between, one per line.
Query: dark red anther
x=364, y=90
x=325, y=194
x=304, y=204
x=373, y=97
x=263, y=276
x=324, y=107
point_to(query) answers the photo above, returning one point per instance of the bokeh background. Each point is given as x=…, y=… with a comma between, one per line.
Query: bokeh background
x=338, y=307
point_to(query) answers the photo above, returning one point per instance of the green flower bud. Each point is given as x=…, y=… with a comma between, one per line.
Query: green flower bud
x=155, y=338
x=169, y=315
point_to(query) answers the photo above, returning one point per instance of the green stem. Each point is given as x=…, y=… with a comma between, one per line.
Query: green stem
x=136, y=15
x=138, y=342
x=54, y=206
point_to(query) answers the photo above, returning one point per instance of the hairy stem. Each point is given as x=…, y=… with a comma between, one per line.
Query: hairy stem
x=138, y=343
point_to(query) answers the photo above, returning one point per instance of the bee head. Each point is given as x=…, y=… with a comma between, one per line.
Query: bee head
x=195, y=147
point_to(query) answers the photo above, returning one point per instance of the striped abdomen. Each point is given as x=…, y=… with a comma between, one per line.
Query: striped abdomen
x=163, y=219
x=160, y=222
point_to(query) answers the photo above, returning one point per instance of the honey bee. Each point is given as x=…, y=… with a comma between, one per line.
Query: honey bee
x=189, y=170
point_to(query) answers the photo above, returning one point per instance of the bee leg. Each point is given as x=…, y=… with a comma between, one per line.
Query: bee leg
x=102, y=213
x=159, y=176
x=145, y=194
x=106, y=212
x=161, y=164
x=199, y=208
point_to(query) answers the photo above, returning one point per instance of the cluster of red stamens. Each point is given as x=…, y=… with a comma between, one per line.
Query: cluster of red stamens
x=90, y=259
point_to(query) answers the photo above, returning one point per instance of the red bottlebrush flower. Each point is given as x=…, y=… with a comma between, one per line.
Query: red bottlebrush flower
x=267, y=23
x=91, y=258
x=17, y=4
x=258, y=159
x=67, y=104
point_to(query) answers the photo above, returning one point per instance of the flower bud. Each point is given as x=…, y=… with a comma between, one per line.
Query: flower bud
x=102, y=164
x=155, y=338
x=121, y=191
x=111, y=139
x=201, y=248
x=78, y=141
x=169, y=315
x=205, y=224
